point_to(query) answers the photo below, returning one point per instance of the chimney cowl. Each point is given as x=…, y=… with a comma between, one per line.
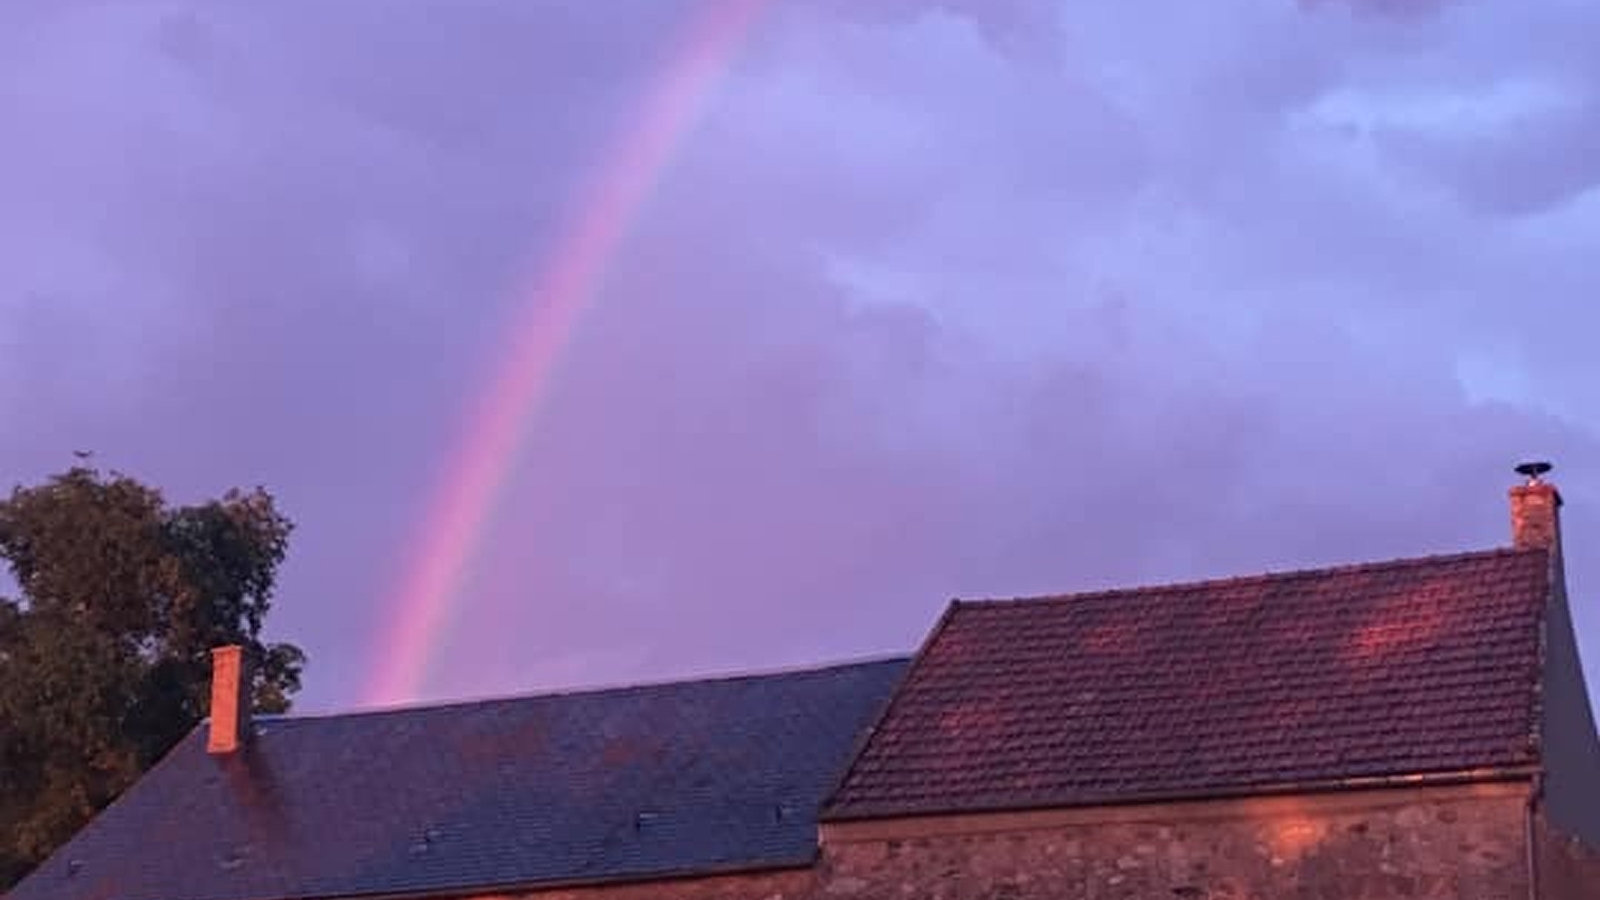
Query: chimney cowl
x=230, y=700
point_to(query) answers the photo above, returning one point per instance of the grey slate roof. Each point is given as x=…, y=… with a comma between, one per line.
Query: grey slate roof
x=637, y=782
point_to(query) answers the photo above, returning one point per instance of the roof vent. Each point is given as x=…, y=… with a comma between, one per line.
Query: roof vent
x=426, y=841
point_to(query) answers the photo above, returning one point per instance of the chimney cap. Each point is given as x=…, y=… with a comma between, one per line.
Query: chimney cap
x=1533, y=471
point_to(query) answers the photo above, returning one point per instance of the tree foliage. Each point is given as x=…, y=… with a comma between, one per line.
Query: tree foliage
x=105, y=651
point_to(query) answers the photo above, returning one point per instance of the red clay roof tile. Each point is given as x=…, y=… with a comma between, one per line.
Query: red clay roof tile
x=1404, y=667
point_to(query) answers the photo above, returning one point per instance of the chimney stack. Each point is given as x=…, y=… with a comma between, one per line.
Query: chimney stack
x=1535, y=510
x=230, y=700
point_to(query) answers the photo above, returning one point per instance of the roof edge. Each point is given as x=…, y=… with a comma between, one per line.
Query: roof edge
x=1492, y=774
x=528, y=887
x=886, y=706
x=586, y=690
x=121, y=798
x=1256, y=578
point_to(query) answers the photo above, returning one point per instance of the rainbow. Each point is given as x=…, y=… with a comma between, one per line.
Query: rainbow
x=486, y=452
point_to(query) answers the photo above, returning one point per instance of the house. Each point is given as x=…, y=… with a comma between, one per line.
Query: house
x=1416, y=728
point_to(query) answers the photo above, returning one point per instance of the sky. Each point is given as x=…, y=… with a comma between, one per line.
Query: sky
x=929, y=298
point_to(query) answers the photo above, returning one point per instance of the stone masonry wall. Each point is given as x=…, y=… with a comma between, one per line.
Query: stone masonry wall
x=1461, y=843
x=1442, y=843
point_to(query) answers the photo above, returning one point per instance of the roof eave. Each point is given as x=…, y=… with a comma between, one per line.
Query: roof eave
x=1489, y=774
x=528, y=887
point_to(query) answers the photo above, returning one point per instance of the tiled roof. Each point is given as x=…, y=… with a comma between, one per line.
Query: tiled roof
x=665, y=779
x=1405, y=667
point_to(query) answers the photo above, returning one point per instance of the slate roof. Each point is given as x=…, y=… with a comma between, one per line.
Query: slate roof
x=1414, y=666
x=728, y=774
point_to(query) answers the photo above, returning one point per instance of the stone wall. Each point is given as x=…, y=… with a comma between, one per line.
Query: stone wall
x=1438, y=843
x=1461, y=843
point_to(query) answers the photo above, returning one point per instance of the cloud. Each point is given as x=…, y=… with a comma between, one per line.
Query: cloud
x=948, y=298
x=1394, y=8
x=1019, y=29
x=1555, y=155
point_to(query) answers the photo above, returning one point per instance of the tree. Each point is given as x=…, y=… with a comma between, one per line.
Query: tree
x=105, y=654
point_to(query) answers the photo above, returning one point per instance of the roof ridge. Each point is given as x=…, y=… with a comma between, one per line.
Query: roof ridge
x=591, y=690
x=1404, y=562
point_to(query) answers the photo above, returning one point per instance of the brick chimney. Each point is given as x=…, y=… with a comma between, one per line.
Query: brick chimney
x=230, y=700
x=1535, y=510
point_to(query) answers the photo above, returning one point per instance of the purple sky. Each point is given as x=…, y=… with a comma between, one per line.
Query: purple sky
x=955, y=297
